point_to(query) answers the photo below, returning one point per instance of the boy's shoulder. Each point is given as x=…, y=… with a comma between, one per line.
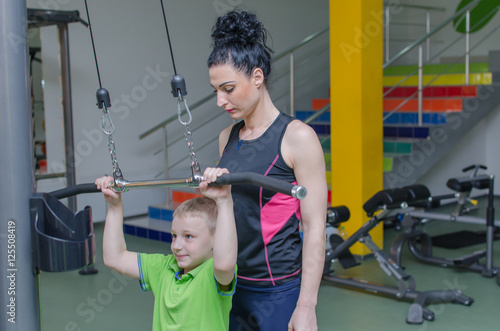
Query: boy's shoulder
x=158, y=261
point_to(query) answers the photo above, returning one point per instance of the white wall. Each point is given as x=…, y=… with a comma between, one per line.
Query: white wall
x=401, y=36
x=131, y=44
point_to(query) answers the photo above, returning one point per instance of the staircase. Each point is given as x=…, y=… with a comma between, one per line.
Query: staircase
x=450, y=109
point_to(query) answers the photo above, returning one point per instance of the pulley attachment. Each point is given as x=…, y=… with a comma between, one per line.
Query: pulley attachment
x=178, y=86
x=103, y=99
x=108, y=128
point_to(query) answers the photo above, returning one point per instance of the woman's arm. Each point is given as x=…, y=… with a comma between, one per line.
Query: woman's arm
x=302, y=151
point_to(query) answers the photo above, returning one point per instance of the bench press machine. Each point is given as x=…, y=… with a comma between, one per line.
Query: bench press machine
x=420, y=243
x=385, y=201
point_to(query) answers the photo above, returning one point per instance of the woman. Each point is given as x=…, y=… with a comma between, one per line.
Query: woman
x=278, y=273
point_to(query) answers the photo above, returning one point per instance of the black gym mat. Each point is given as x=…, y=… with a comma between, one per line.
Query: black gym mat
x=460, y=239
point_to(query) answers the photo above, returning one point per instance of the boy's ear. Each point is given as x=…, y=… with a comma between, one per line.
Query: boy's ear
x=258, y=77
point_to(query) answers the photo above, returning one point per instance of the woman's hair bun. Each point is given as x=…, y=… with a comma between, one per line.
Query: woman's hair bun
x=240, y=28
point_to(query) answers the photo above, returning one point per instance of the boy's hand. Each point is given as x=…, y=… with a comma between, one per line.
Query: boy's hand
x=214, y=192
x=113, y=198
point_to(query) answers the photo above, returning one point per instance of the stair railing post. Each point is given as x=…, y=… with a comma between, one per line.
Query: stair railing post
x=387, y=25
x=292, y=97
x=467, y=46
x=428, y=40
x=420, y=83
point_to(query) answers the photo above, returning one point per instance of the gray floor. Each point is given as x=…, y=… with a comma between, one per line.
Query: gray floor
x=108, y=301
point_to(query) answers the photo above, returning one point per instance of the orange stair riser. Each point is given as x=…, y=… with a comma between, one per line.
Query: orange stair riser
x=428, y=105
x=317, y=104
x=180, y=197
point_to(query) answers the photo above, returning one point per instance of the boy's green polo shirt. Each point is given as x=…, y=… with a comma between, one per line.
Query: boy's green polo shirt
x=184, y=302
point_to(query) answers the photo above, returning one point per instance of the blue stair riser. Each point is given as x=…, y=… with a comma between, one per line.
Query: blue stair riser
x=147, y=233
x=160, y=213
x=394, y=118
x=321, y=129
x=304, y=114
x=412, y=118
x=406, y=132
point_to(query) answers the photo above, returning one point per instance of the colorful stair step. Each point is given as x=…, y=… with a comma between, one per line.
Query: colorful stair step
x=412, y=118
x=387, y=164
x=317, y=104
x=465, y=91
x=304, y=114
x=397, y=147
x=406, y=132
x=428, y=105
x=161, y=213
x=149, y=228
x=321, y=129
x=179, y=197
x=443, y=80
x=328, y=158
x=325, y=142
x=436, y=69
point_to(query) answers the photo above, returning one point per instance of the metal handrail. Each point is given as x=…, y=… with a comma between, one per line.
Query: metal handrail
x=212, y=95
x=300, y=44
x=430, y=34
x=175, y=117
x=418, y=7
x=438, y=75
x=317, y=114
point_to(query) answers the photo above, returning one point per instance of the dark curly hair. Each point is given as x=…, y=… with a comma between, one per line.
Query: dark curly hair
x=239, y=39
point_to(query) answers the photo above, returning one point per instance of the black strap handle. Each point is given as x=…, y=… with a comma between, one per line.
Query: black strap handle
x=75, y=190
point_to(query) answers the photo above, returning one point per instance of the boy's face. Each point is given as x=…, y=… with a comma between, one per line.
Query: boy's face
x=192, y=242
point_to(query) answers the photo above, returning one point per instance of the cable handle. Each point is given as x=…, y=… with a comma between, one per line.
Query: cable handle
x=273, y=184
x=269, y=183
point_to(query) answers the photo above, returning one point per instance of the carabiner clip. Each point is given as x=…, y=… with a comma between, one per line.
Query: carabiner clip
x=180, y=100
x=106, y=120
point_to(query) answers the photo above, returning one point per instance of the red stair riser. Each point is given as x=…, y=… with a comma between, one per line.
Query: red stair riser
x=433, y=91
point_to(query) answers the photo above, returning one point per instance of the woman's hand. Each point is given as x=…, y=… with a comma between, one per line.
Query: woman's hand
x=214, y=192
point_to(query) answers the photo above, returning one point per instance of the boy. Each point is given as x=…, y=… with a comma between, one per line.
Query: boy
x=193, y=286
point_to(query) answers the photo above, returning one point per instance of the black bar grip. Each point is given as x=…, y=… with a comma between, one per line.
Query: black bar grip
x=269, y=183
x=337, y=215
x=474, y=166
x=75, y=190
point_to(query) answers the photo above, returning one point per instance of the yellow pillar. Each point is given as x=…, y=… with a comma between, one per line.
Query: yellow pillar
x=356, y=51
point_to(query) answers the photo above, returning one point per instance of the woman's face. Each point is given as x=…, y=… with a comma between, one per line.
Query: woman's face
x=237, y=92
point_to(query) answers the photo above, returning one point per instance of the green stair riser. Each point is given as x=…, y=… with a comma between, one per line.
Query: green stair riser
x=436, y=69
x=396, y=147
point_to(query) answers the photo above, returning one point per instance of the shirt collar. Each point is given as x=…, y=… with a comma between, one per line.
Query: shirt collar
x=178, y=271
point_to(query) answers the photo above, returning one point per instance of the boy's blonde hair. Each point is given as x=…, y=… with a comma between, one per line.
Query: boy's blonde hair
x=199, y=207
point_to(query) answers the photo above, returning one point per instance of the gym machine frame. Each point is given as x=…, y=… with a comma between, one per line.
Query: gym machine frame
x=386, y=201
